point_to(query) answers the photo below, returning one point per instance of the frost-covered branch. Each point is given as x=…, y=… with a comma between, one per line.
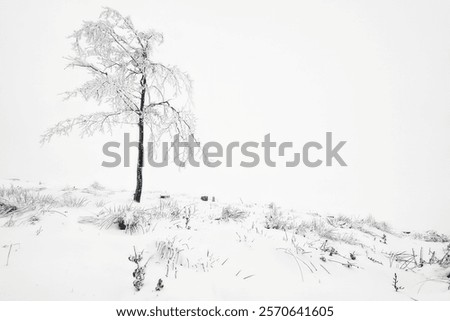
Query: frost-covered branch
x=87, y=125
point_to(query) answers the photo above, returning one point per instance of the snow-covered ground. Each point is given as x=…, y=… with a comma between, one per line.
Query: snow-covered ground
x=65, y=243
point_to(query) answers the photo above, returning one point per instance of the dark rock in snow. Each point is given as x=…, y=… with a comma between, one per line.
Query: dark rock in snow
x=204, y=198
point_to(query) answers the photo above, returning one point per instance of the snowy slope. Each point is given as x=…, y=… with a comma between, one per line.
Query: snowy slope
x=66, y=244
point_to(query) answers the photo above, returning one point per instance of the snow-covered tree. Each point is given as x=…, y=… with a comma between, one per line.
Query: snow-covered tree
x=123, y=74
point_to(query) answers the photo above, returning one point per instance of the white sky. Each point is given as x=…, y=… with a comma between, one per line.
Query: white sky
x=375, y=73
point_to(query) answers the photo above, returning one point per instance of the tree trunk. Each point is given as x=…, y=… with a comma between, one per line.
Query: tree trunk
x=140, y=162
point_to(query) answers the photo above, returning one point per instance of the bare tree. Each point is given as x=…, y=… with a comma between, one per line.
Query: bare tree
x=123, y=75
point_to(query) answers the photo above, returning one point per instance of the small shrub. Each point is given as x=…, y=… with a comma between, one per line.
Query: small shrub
x=233, y=213
x=68, y=188
x=329, y=249
x=341, y=221
x=170, y=250
x=326, y=231
x=379, y=225
x=395, y=283
x=169, y=208
x=431, y=236
x=139, y=271
x=97, y=186
x=16, y=201
x=321, y=229
x=177, y=252
x=184, y=214
x=271, y=206
x=445, y=261
x=25, y=199
x=73, y=201
x=345, y=219
x=187, y=214
x=129, y=218
x=276, y=220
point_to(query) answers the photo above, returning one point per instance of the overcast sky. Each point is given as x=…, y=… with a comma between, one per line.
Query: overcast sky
x=375, y=73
